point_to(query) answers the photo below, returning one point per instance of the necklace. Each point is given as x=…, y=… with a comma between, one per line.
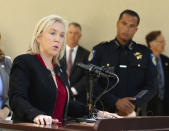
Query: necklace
x=54, y=77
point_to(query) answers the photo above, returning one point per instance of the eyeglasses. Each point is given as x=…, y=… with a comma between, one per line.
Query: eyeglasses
x=160, y=41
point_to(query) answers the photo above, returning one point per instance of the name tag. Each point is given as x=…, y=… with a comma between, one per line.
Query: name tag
x=123, y=66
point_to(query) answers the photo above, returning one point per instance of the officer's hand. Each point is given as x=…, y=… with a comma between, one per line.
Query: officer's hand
x=4, y=113
x=124, y=106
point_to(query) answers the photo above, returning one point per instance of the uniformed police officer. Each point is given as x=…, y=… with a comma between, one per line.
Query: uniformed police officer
x=134, y=64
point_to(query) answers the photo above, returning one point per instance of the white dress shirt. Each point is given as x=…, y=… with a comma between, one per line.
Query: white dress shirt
x=73, y=53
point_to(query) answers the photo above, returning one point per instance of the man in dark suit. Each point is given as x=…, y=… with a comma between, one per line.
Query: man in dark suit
x=159, y=105
x=78, y=77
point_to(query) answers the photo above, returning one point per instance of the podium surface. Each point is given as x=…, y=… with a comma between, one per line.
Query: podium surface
x=160, y=123
x=155, y=123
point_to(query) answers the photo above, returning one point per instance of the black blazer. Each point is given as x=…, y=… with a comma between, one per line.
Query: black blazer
x=79, y=77
x=32, y=90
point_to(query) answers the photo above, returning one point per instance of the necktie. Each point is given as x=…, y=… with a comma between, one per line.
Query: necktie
x=69, y=63
x=159, y=79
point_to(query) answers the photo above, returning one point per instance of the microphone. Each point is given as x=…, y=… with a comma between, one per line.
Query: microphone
x=102, y=71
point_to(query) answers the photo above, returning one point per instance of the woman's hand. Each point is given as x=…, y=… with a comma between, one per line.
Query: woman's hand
x=105, y=114
x=44, y=120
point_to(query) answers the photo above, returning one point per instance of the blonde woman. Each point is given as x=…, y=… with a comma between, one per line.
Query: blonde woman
x=38, y=86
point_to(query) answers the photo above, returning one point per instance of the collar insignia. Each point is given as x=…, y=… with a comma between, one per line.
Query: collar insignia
x=91, y=56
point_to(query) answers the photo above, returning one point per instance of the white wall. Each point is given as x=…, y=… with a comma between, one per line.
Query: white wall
x=97, y=17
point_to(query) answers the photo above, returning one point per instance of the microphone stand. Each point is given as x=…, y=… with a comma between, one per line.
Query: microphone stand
x=92, y=103
x=91, y=84
x=104, y=92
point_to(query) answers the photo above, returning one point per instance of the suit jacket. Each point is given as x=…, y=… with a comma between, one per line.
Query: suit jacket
x=5, y=67
x=31, y=84
x=165, y=64
x=157, y=106
x=79, y=78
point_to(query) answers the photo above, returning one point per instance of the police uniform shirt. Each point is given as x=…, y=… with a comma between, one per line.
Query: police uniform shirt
x=134, y=65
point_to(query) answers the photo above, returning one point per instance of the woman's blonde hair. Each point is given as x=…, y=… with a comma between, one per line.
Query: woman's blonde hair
x=41, y=26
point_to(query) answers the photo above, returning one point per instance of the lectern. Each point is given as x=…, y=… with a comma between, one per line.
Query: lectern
x=158, y=123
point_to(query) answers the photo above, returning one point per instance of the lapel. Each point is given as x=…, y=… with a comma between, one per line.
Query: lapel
x=164, y=62
x=60, y=74
x=64, y=80
x=4, y=77
x=77, y=59
x=63, y=62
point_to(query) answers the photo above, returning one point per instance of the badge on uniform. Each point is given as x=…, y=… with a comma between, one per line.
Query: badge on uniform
x=92, y=54
x=153, y=59
x=138, y=55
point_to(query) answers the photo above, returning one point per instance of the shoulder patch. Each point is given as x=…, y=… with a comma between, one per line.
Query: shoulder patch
x=153, y=59
x=91, y=56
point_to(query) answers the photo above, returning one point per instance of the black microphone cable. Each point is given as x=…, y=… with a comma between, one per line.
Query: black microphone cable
x=106, y=90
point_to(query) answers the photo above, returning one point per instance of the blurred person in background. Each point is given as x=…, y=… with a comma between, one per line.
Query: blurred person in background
x=159, y=105
x=78, y=77
x=5, y=67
